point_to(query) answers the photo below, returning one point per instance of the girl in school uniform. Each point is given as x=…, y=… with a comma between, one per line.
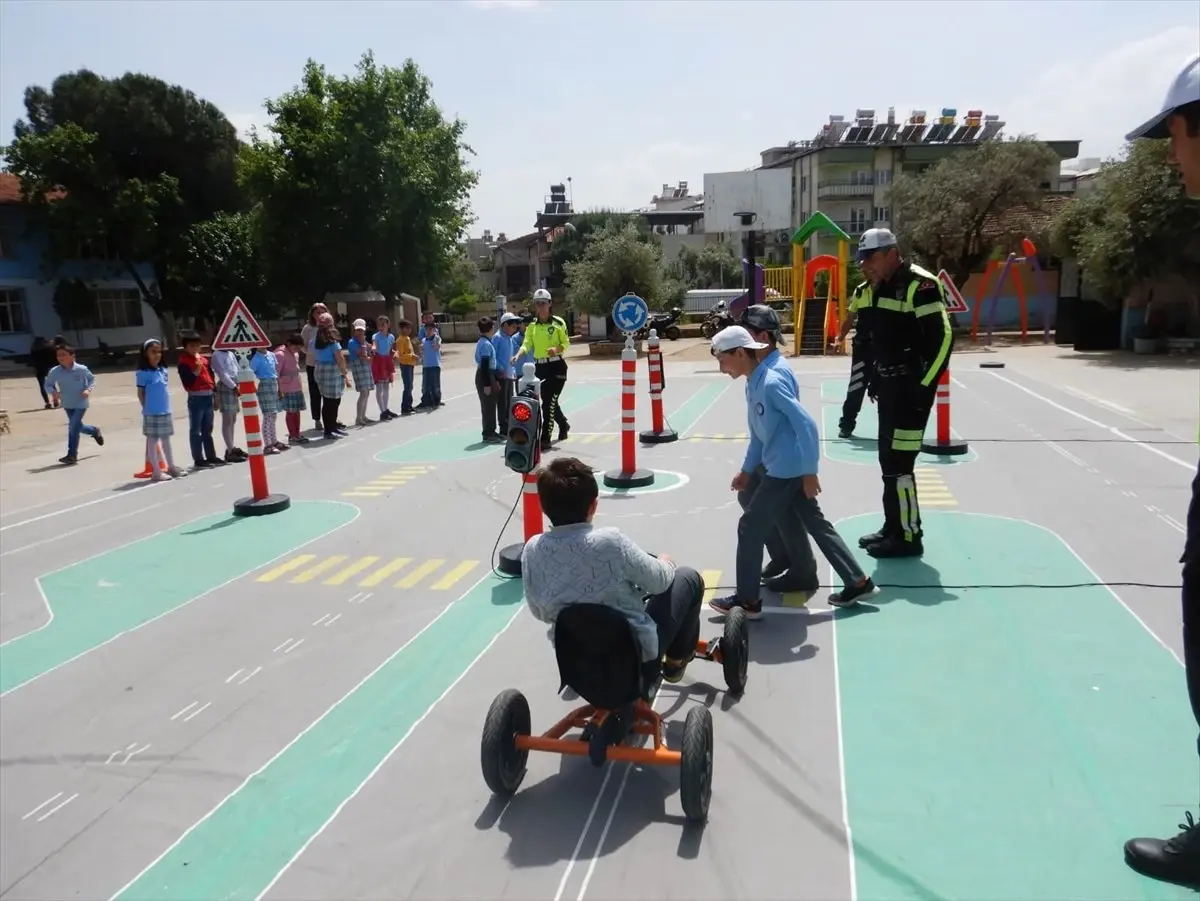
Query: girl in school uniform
x=291, y=391
x=383, y=365
x=264, y=367
x=154, y=394
x=359, y=350
x=332, y=374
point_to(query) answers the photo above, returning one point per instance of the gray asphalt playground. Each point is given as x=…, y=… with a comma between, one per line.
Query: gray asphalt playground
x=292, y=710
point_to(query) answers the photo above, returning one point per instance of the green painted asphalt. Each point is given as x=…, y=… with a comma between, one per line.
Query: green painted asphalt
x=249, y=838
x=861, y=449
x=98, y=599
x=1001, y=743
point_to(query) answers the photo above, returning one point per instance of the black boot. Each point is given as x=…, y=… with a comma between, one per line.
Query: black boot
x=874, y=538
x=1175, y=860
x=893, y=546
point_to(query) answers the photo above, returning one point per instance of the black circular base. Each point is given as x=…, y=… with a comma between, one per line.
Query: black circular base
x=666, y=436
x=639, y=478
x=991, y=365
x=949, y=449
x=272, y=503
x=510, y=559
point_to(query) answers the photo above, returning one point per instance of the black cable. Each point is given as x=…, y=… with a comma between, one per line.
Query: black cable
x=500, y=535
x=1008, y=585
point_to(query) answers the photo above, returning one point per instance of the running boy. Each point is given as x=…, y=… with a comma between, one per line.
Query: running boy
x=69, y=385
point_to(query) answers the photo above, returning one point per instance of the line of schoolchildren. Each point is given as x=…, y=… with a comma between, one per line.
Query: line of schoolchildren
x=496, y=373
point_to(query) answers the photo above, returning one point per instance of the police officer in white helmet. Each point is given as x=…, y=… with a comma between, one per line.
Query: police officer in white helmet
x=546, y=340
x=1178, y=859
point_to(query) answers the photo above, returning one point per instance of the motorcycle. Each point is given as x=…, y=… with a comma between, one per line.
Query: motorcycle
x=716, y=321
x=664, y=324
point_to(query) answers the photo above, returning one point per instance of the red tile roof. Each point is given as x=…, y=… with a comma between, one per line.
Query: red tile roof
x=10, y=190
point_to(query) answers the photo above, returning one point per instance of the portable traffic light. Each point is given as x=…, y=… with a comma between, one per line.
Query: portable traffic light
x=522, y=451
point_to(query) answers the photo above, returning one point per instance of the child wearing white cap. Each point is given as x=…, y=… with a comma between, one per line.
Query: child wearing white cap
x=359, y=349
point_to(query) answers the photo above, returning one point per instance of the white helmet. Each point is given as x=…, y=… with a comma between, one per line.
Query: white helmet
x=541, y=295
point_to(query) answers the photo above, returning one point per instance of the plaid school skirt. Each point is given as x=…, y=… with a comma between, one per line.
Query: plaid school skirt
x=293, y=402
x=159, y=425
x=268, y=396
x=361, y=370
x=227, y=399
x=329, y=380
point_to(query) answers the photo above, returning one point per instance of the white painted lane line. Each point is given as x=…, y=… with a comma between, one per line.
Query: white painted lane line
x=279, y=647
x=196, y=713
x=333, y=620
x=49, y=800
x=293, y=647
x=57, y=807
x=81, y=529
x=234, y=676
x=317, y=622
x=114, y=754
x=187, y=708
x=246, y=678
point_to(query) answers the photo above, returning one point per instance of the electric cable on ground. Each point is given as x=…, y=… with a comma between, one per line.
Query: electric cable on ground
x=500, y=537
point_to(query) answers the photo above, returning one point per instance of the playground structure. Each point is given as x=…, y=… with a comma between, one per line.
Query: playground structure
x=1010, y=267
x=804, y=275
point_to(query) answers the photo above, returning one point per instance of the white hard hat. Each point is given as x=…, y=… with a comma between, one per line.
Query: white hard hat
x=541, y=295
x=1184, y=89
x=874, y=239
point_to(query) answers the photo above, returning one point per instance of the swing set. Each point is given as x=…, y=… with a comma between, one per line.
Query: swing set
x=1010, y=267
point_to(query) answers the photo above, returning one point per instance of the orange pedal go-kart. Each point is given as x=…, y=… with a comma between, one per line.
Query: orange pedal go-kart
x=600, y=659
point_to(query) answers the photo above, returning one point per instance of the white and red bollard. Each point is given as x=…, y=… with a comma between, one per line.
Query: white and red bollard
x=659, y=432
x=629, y=476
x=945, y=445
x=261, y=501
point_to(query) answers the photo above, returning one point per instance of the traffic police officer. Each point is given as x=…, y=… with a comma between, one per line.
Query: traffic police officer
x=910, y=337
x=861, y=366
x=546, y=339
x=1177, y=859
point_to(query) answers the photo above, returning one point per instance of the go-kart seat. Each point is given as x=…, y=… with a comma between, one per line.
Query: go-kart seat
x=600, y=658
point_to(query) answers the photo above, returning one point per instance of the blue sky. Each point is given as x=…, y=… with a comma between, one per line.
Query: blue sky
x=624, y=95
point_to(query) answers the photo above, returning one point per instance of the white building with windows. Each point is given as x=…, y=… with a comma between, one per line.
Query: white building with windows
x=119, y=316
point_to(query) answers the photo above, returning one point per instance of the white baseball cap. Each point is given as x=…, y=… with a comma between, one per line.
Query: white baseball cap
x=874, y=239
x=1184, y=89
x=360, y=324
x=732, y=338
x=509, y=317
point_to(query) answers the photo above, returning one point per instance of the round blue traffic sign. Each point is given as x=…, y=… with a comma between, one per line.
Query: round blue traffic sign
x=630, y=313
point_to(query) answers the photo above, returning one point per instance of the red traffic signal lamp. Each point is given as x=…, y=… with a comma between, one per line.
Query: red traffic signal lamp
x=522, y=450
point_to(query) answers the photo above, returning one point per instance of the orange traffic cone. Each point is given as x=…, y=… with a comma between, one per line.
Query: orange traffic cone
x=149, y=470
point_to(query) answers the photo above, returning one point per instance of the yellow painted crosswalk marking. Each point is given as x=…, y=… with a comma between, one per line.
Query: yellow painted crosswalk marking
x=712, y=578
x=448, y=580
x=722, y=436
x=285, y=568
x=383, y=484
x=932, y=490
x=384, y=571
x=425, y=569
x=353, y=569
x=313, y=571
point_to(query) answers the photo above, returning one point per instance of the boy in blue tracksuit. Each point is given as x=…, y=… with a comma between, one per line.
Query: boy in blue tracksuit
x=70, y=384
x=784, y=441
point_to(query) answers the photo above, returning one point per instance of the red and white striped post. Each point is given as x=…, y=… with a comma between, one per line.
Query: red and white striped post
x=659, y=432
x=945, y=445
x=628, y=476
x=261, y=500
x=531, y=506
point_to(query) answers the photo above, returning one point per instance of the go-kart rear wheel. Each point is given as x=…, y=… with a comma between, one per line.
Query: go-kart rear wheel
x=696, y=765
x=673, y=333
x=503, y=764
x=735, y=650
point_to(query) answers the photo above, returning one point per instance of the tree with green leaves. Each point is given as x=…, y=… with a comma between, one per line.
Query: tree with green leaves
x=943, y=214
x=130, y=163
x=458, y=290
x=364, y=185
x=570, y=244
x=1134, y=225
x=713, y=266
x=219, y=260
x=616, y=262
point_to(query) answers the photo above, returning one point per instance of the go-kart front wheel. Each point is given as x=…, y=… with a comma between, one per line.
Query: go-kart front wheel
x=673, y=333
x=735, y=650
x=696, y=765
x=503, y=764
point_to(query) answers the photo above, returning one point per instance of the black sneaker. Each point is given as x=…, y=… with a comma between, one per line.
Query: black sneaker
x=673, y=670
x=724, y=605
x=98, y=438
x=563, y=431
x=68, y=460
x=896, y=547
x=787, y=582
x=1175, y=860
x=852, y=594
x=217, y=461
x=204, y=464
x=844, y=432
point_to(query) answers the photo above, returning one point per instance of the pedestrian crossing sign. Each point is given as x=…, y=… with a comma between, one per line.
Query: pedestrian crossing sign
x=240, y=330
x=954, y=298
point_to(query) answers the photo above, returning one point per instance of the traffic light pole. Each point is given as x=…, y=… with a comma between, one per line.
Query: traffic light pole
x=528, y=388
x=629, y=476
x=659, y=433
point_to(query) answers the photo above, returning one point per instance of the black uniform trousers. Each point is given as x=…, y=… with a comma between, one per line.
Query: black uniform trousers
x=504, y=402
x=1191, y=601
x=904, y=407
x=861, y=373
x=553, y=374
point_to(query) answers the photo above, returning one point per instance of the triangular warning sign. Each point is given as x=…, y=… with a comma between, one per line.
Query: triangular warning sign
x=240, y=330
x=954, y=298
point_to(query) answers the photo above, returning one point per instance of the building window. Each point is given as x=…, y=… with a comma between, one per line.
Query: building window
x=883, y=214
x=12, y=311
x=115, y=308
x=102, y=250
x=883, y=176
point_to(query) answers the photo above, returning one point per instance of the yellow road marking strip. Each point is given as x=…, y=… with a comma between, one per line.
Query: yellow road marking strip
x=711, y=577
x=363, y=493
x=429, y=566
x=294, y=563
x=384, y=571
x=454, y=575
x=311, y=573
x=356, y=567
